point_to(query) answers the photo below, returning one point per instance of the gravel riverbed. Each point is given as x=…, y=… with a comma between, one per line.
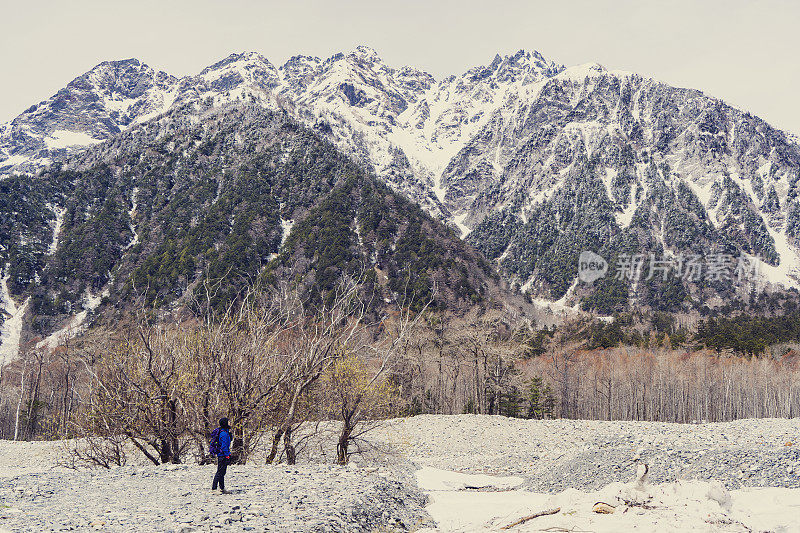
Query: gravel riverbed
x=553, y=455
x=378, y=491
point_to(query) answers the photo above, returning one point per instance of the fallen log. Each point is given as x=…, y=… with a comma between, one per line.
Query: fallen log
x=603, y=508
x=531, y=517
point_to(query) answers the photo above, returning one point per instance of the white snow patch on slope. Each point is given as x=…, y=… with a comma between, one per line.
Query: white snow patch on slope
x=120, y=105
x=559, y=306
x=14, y=160
x=624, y=218
x=608, y=179
x=579, y=73
x=459, y=222
x=59, y=212
x=76, y=324
x=286, y=225
x=64, y=138
x=787, y=273
x=167, y=100
x=131, y=214
x=11, y=330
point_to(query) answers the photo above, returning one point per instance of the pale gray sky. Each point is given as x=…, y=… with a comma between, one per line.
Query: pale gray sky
x=745, y=52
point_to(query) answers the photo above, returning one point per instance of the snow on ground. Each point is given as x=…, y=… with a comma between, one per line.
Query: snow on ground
x=787, y=273
x=624, y=218
x=286, y=229
x=11, y=329
x=479, y=473
x=557, y=307
x=677, y=506
x=459, y=222
x=59, y=212
x=14, y=160
x=131, y=215
x=286, y=226
x=76, y=324
x=64, y=138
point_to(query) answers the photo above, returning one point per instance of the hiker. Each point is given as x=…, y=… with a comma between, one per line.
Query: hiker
x=221, y=447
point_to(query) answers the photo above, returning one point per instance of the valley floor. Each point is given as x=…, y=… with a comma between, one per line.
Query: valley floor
x=441, y=473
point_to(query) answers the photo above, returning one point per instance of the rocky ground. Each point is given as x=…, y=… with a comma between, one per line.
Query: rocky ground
x=379, y=491
x=552, y=455
x=178, y=498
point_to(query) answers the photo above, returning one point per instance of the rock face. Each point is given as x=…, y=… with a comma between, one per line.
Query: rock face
x=90, y=109
x=533, y=161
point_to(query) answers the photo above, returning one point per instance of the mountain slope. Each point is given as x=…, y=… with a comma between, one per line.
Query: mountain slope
x=90, y=109
x=527, y=155
x=681, y=171
x=232, y=193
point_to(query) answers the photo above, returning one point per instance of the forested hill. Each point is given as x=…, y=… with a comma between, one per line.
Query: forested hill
x=237, y=194
x=535, y=163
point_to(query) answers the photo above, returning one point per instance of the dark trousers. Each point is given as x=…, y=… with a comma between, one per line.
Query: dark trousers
x=219, y=477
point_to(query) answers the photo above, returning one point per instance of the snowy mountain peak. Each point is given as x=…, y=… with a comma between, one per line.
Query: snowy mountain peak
x=581, y=72
x=500, y=151
x=365, y=53
x=525, y=66
x=91, y=108
x=127, y=78
x=244, y=58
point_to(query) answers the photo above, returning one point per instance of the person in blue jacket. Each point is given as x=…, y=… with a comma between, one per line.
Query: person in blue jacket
x=223, y=454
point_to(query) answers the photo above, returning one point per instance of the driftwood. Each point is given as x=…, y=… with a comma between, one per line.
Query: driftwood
x=487, y=488
x=603, y=508
x=531, y=517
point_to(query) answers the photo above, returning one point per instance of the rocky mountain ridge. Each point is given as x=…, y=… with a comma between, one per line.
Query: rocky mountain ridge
x=233, y=196
x=500, y=152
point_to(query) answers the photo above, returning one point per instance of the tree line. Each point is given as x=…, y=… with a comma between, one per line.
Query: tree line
x=276, y=367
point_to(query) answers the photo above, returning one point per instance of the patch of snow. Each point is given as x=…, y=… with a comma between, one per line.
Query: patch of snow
x=167, y=100
x=59, y=212
x=677, y=506
x=747, y=185
x=580, y=72
x=14, y=160
x=559, y=306
x=131, y=214
x=120, y=105
x=287, y=225
x=624, y=218
x=608, y=179
x=702, y=191
x=787, y=273
x=76, y=324
x=504, y=254
x=527, y=285
x=459, y=222
x=11, y=330
x=64, y=139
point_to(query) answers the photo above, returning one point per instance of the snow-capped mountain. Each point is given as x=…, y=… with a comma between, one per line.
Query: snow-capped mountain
x=672, y=166
x=401, y=122
x=90, y=109
x=492, y=150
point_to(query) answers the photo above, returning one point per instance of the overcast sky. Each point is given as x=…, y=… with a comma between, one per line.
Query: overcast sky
x=745, y=52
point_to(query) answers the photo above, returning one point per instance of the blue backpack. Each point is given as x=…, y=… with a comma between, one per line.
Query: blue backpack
x=213, y=446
